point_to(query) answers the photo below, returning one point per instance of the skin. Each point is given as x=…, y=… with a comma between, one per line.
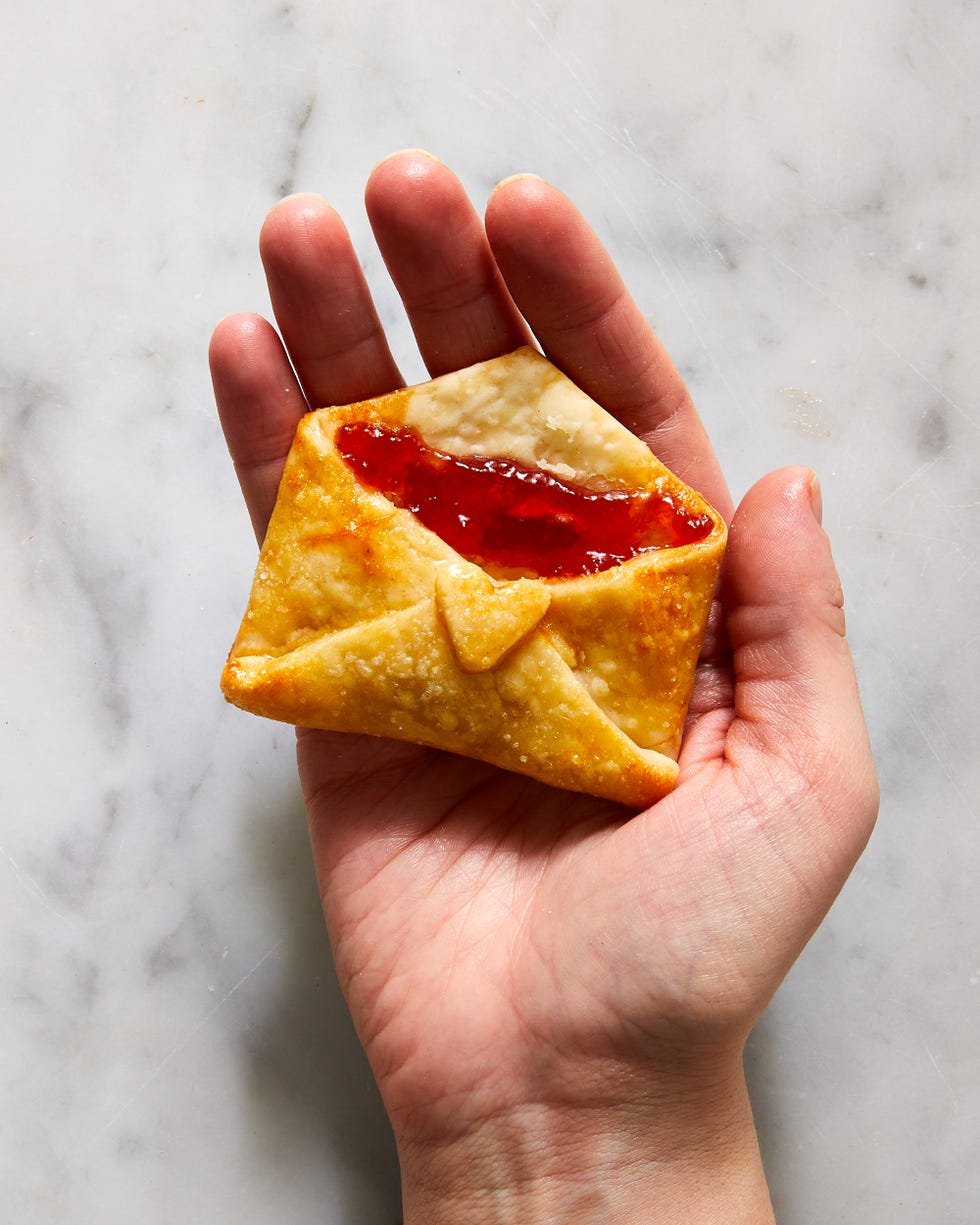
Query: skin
x=554, y=993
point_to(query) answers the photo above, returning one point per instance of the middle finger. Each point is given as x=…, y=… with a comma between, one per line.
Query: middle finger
x=436, y=250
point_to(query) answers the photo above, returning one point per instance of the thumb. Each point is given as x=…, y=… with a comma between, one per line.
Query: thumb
x=796, y=695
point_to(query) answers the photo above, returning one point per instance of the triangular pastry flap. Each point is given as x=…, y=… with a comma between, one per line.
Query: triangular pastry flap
x=362, y=619
x=335, y=554
x=486, y=619
x=633, y=637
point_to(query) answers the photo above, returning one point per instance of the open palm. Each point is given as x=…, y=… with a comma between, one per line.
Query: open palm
x=508, y=949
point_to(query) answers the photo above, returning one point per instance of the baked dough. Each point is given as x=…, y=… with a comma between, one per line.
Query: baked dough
x=361, y=619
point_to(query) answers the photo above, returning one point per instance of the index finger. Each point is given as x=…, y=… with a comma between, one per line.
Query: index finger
x=567, y=287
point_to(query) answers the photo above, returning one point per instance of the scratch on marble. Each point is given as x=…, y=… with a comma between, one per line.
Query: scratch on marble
x=181, y=1045
x=945, y=1079
x=850, y=315
x=925, y=34
x=550, y=47
x=958, y=552
x=30, y=886
x=682, y=303
x=953, y=404
x=911, y=479
x=941, y=760
x=561, y=131
x=853, y=318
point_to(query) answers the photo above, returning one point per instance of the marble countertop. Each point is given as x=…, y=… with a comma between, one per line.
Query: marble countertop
x=792, y=194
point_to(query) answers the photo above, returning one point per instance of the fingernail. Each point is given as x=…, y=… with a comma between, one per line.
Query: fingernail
x=525, y=176
x=390, y=157
x=816, y=497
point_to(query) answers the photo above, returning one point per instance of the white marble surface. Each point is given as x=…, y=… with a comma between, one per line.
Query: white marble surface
x=792, y=193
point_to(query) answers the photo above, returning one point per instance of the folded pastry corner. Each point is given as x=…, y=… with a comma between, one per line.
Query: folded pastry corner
x=487, y=563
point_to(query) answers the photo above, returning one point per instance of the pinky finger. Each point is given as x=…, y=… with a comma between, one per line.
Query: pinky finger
x=259, y=405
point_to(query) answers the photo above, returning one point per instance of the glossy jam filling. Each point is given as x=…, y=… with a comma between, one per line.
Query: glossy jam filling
x=498, y=513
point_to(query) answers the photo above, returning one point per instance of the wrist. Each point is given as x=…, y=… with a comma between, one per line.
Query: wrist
x=693, y=1159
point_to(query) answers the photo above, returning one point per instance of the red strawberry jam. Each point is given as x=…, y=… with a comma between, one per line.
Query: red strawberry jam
x=502, y=514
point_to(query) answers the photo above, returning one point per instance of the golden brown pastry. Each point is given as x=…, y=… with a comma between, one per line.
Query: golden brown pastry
x=549, y=617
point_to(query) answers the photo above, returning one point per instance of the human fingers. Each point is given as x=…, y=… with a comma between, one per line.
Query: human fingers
x=567, y=287
x=322, y=304
x=259, y=404
x=798, y=722
x=436, y=250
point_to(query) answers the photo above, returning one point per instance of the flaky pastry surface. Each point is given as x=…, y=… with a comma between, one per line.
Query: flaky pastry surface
x=361, y=619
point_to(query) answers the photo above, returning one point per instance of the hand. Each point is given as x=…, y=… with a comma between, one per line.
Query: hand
x=554, y=993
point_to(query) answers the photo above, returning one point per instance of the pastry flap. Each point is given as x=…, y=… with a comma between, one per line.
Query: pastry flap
x=486, y=619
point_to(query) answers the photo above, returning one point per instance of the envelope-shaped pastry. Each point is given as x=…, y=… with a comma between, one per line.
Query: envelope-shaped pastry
x=487, y=563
